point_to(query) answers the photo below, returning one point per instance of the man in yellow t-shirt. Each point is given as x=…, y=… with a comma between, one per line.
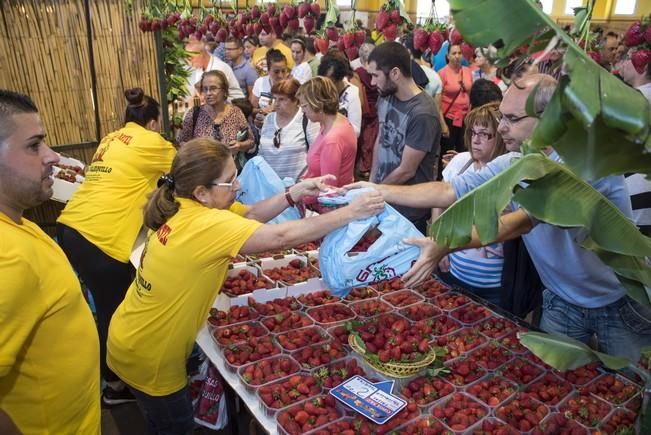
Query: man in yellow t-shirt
x=49, y=350
x=268, y=41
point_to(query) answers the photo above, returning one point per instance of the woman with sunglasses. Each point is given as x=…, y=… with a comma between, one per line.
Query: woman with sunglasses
x=478, y=270
x=286, y=133
x=196, y=228
x=217, y=118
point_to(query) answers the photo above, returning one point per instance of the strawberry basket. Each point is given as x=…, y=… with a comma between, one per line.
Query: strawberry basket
x=392, y=369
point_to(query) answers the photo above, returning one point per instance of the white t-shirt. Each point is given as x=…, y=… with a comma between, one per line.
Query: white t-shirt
x=289, y=159
x=480, y=267
x=350, y=102
x=302, y=72
x=639, y=188
x=435, y=86
x=262, y=90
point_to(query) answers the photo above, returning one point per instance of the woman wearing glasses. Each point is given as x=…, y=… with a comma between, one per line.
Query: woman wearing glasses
x=196, y=228
x=478, y=270
x=217, y=118
x=286, y=133
x=334, y=149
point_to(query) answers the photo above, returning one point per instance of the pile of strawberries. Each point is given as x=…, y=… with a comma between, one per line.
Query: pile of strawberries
x=388, y=20
x=295, y=271
x=244, y=282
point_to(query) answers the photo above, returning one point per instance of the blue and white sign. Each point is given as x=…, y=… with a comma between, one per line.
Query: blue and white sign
x=373, y=401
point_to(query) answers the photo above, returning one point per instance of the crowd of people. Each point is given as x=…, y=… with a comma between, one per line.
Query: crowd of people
x=419, y=136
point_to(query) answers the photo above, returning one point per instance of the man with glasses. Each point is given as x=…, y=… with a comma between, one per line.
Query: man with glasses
x=243, y=70
x=204, y=61
x=582, y=296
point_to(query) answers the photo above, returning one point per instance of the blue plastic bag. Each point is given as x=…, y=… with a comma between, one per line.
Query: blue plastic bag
x=258, y=181
x=386, y=258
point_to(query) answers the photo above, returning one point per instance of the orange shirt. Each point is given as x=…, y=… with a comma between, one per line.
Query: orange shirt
x=455, y=108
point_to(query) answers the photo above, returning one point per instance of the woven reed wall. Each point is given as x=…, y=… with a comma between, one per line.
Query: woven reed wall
x=44, y=53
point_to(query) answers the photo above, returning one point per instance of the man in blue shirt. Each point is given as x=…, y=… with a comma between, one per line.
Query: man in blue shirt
x=244, y=72
x=582, y=296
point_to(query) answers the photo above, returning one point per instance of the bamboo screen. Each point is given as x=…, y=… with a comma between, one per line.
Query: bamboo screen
x=44, y=53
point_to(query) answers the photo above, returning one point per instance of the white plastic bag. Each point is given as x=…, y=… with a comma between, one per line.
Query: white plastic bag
x=210, y=403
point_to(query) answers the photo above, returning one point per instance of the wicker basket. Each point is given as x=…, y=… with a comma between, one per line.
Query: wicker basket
x=394, y=369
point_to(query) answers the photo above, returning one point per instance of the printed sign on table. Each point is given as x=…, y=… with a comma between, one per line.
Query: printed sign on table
x=373, y=401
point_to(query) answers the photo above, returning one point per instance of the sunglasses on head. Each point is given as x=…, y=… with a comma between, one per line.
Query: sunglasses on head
x=276, y=139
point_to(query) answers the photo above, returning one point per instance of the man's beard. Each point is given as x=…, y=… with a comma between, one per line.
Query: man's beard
x=390, y=89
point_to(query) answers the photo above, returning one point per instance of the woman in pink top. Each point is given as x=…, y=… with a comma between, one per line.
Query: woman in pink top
x=455, y=101
x=334, y=149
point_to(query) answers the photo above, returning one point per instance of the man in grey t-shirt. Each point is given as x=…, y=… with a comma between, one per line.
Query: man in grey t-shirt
x=407, y=146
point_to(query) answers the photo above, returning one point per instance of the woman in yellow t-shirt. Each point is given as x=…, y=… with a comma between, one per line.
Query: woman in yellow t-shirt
x=196, y=228
x=99, y=225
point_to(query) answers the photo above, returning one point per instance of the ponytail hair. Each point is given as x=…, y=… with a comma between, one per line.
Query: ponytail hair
x=141, y=108
x=197, y=163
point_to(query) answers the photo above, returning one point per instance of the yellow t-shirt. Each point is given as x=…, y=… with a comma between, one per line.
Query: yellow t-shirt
x=181, y=270
x=107, y=208
x=49, y=350
x=261, y=52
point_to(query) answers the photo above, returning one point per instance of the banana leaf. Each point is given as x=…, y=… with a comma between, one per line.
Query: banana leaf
x=590, y=96
x=565, y=353
x=555, y=195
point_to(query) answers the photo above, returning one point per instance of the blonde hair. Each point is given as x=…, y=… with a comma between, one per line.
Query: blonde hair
x=320, y=94
x=197, y=163
x=489, y=116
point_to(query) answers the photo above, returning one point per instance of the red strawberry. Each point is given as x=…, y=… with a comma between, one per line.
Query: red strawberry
x=390, y=32
x=293, y=24
x=381, y=21
x=435, y=42
x=467, y=51
x=264, y=19
x=641, y=59
x=340, y=44
x=271, y=9
x=274, y=21
x=349, y=39
x=455, y=37
x=255, y=12
x=221, y=35
x=283, y=20
x=647, y=34
x=351, y=52
x=289, y=11
x=360, y=37
x=321, y=44
x=331, y=33
x=395, y=17
x=257, y=28
x=634, y=35
x=315, y=9
x=595, y=55
x=303, y=9
x=308, y=24
x=420, y=39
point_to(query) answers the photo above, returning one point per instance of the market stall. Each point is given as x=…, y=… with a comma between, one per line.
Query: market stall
x=282, y=349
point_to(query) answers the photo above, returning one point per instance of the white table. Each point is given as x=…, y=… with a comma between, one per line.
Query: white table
x=205, y=341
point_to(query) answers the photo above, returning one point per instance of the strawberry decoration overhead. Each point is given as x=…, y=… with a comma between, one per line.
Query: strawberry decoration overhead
x=638, y=38
x=431, y=35
x=391, y=15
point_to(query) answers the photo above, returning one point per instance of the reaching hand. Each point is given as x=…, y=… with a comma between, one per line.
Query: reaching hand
x=444, y=264
x=359, y=185
x=311, y=186
x=430, y=254
x=449, y=154
x=367, y=204
x=445, y=130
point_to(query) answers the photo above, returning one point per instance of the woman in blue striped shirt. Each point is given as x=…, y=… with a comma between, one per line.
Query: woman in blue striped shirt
x=477, y=270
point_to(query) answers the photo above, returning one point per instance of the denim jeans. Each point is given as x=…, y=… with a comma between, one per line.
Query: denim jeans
x=622, y=328
x=167, y=415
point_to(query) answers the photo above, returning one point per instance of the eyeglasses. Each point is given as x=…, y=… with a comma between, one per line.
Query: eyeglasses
x=481, y=135
x=512, y=120
x=229, y=185
x=210, y=89
x=276, y=140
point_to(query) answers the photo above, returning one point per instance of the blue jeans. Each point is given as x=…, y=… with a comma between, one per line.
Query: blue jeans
x=622, y=328
x=167, y=415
